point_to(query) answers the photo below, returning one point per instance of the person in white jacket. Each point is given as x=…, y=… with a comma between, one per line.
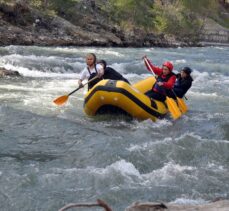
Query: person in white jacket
x=91, y=71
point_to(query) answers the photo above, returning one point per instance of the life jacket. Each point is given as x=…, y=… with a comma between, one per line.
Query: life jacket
x=90, y=71
x=161, y=89
x=92, y=75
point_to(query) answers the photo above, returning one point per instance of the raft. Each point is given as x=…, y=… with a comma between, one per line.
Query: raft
x=119, y=97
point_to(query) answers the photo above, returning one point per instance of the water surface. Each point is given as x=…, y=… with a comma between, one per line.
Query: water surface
x=51, y=156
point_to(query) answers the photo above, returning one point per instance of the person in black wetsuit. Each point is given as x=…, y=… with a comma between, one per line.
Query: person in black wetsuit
x=183, y=82
x=110, y=73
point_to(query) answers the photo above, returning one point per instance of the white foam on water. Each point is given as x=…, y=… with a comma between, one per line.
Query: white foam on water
x=109, y=52
x=34, y=58
x=121, y=167
x=70, y=50
x=120, y=67
x=9, y=96
x=149, y=49
x=200, y=76
x=200, y=139
x=124, y=168
x=169, y=172
x=216, y=167
x=136, y=77
x=149, y=145
x=86, y=50
x=39, y=74
x=106, y=51
x=202, y=94
x=37, y=96
x=147, y=124
x=220, y=48
x=180, y=61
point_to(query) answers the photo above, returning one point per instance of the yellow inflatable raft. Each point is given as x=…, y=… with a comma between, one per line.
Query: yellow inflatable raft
x=109, y=96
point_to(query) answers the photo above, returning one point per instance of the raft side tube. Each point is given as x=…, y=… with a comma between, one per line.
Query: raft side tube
x=125, y=97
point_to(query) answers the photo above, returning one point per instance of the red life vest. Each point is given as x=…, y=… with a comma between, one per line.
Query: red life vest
x=160, y=89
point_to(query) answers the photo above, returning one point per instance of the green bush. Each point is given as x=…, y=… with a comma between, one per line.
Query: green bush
x=132, y=12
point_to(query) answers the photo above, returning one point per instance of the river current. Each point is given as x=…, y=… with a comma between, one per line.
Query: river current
x=51, y=156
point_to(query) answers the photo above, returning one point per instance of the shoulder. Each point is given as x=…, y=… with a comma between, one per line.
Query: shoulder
x=178, y=75
x=188, y=79
x=173, y=75
x=109, y=69
x=99, y=66
x=84, y=69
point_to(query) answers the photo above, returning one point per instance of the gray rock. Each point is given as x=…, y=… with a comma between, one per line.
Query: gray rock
x=222, y=205
x=4, y=72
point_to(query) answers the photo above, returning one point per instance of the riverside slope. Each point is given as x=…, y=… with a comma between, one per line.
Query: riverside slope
x=21, y=24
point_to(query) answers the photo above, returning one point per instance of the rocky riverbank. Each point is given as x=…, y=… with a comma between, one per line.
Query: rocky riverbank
x=221, y=205
x=22, y=25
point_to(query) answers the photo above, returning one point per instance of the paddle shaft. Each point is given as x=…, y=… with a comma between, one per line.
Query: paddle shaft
x=75, y=90
x=146, y=61
x=82, y=85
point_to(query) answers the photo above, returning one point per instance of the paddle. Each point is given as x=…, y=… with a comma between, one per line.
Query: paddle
x=172, y=105
x=182, y=105
x=63, y=99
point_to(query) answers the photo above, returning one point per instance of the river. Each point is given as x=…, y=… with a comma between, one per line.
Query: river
x=51, y=156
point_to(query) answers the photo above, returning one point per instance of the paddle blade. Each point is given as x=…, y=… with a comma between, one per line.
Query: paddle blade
x=182, y=105
x=61, y=100
x=173, y=108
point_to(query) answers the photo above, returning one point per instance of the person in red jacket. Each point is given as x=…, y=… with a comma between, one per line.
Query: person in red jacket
x=165, y=80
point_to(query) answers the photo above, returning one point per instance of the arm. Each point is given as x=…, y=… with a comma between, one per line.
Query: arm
x=170, y=83
x=83, y=75
x=156, y=70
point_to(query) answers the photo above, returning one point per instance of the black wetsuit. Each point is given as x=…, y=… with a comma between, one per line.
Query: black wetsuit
x=182, y=85
x=112, y=74
x=109, y=73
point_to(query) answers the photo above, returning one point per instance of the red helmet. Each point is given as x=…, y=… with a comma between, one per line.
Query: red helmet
x=169, y=65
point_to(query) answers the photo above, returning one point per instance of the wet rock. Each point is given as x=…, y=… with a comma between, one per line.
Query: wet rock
x=4, y=72
x=222, y=205
x=214, y=33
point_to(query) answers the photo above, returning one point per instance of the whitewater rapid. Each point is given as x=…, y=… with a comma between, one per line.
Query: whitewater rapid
x=53, y=155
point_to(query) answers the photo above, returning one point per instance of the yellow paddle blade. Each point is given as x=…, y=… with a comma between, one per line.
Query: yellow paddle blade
x=182, y=105
x=173, y=108
x=61, y=100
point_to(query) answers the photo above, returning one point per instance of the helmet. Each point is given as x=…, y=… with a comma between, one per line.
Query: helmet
x=187, y=70
x=169, y=65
